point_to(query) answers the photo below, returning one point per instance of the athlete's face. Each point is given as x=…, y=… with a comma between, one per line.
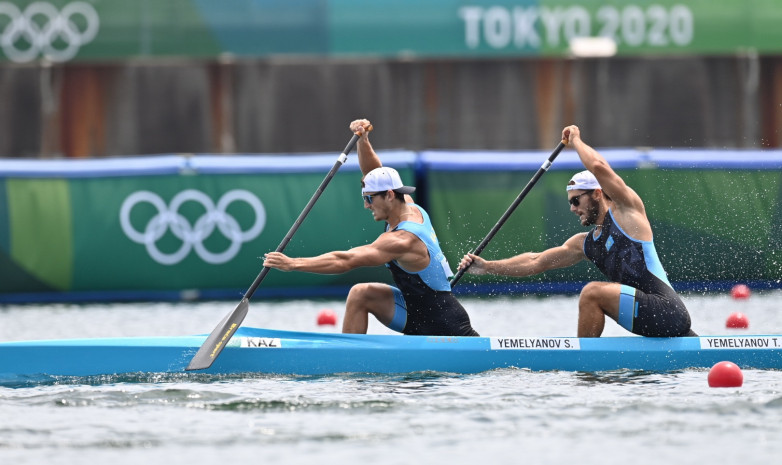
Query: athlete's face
x=584, y=206
x=377, y=204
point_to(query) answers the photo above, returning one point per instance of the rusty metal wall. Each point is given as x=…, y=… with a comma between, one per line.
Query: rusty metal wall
x=288, y=106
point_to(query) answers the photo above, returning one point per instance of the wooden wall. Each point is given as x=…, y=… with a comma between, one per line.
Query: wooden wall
x=282, y=106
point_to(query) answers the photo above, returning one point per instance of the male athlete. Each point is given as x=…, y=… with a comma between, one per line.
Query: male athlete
x=639, y=296
x=421, y=302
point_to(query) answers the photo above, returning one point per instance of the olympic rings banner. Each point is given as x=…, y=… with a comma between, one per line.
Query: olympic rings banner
x=42, y=30
x=64, y=30
x=175, y=223
x=215, y=217
x=155, y=227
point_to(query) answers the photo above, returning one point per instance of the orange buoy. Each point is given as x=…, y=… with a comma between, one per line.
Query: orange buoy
x=327, y=317
x=740, y=291
x=737, y=320
x=725, y=374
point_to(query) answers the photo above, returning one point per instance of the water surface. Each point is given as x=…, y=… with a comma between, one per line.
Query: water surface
x=514, y=415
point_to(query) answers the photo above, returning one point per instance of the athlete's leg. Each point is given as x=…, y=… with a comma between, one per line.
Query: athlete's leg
x=654, y=315
x=597, y=300
x=365, y=299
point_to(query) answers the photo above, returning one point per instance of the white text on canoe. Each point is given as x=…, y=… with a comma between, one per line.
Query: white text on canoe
x=260, y=342
x=755, y=342
x=536, y=343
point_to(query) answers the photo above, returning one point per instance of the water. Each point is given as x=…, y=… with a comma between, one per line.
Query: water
x=601, y=418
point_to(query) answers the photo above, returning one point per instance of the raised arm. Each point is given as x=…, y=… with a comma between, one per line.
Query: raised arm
x=529, y=263
x=610, y=182
x=367, y=158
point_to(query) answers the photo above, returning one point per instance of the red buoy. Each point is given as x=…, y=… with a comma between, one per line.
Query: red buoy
x=725, y=374
x=327, y=317
x=737, y=320
x=740, y=291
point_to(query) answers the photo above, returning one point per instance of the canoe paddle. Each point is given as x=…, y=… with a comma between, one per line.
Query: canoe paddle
x=220, y=336
x=546, y=165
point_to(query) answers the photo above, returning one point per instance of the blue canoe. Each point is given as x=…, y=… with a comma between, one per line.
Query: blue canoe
x=255, y=350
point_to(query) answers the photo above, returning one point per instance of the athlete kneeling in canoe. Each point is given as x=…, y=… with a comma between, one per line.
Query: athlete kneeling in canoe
x=421, y=303
x=640, y=298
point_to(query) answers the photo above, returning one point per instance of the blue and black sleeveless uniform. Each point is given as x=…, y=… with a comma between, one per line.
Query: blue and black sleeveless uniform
x=648, y=305
x=428, y=308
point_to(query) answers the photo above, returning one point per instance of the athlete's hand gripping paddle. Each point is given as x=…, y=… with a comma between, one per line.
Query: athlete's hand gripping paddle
x=546, y=165
x=220, y=336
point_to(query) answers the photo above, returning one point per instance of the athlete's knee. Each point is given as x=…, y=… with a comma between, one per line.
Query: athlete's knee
x=359, y=292
x=370, y=297
x=366, y=294
x=591, y=293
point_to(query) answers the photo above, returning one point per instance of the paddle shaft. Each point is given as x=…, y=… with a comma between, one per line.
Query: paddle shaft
x=546, y=165
x=219, y=337
x=342, y=158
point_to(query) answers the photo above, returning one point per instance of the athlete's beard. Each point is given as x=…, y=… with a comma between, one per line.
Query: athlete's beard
x=593, y=211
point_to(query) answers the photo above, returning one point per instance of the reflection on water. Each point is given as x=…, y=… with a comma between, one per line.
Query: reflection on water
x=625, y=377
x=406, y=381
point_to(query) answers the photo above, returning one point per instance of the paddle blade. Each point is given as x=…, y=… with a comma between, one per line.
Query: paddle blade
x=219, y=337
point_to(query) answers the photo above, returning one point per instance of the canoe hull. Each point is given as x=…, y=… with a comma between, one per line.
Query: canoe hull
x=254, y=350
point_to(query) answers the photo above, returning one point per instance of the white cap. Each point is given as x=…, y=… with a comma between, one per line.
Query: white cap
x=583, y=180
x=384, y=179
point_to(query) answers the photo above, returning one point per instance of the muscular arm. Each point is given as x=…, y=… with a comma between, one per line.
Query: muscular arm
x=611, y=183
x=393, y=245
x=529, y=263
x=367, y=158
x=628, y=207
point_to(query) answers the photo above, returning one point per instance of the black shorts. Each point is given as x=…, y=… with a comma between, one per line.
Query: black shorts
x=653, y=315
x=435, y=314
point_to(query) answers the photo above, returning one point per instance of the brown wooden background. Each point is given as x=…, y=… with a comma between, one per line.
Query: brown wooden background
x=305, y=105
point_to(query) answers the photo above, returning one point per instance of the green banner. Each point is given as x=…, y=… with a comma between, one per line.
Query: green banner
x=178, y=231
x=146, y=224
x=710, y=225
x=65, y=30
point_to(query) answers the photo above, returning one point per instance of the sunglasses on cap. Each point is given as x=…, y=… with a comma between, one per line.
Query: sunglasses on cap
x=368, y=197
x=576, y=200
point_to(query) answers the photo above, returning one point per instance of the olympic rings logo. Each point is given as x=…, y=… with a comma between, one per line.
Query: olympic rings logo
x=41, y=29
x=192, y=236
